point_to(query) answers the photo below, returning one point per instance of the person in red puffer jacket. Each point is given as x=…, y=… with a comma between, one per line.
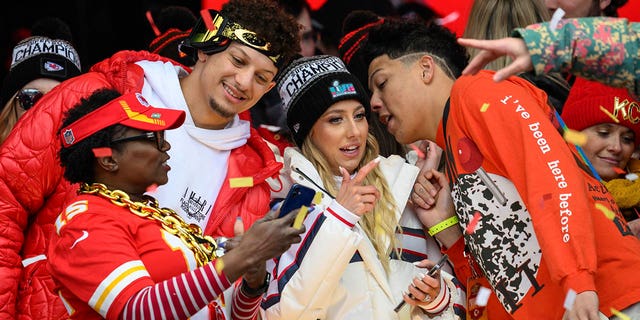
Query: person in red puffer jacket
x=230, y=75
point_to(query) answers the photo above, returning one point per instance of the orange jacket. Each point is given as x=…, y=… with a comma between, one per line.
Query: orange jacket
x=548, y=236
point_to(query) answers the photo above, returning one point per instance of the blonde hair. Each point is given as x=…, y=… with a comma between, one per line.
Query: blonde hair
x=8, y=117
x=495, y=19
x=380, y=225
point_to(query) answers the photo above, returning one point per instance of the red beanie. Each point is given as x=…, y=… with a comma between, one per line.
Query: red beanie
x=590, y=103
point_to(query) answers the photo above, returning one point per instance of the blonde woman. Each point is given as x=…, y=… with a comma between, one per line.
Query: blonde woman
x=357, y=257
x=494, y=19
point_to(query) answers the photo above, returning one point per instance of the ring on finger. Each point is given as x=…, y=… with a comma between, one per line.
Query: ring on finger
x=427, y=298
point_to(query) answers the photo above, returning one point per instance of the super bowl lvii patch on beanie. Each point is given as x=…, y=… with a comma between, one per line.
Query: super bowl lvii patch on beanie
x=310, y=85
x=40, y=57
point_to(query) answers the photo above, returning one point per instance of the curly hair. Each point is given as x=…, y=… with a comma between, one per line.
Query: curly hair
x=78, y=160
x=269, y=21
x=397, y=38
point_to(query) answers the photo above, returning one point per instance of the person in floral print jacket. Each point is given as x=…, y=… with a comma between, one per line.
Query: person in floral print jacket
x=599, y=48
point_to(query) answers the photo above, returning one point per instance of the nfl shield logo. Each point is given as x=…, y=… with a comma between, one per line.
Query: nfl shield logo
x=69, y=139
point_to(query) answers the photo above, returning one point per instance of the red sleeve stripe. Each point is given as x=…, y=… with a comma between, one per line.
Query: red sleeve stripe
x=151, y=307
x=197, y=280
x=136, y=298
x=149, y=311
x=442, y=305
x=143, y=296
x=159, y=307
x=159, y=300
x=184, y=293
x=441, y=301
x=220, y=281
x=189, y=291
x=333, y=213
x=169, y=302
x=173, y=286
x=243, y=307
x=205, y=279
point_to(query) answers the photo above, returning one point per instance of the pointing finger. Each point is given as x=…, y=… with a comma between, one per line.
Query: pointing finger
x=364, y=171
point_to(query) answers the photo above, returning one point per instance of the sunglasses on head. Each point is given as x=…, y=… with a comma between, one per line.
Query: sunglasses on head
x=153, y=136
x=214, y=35
x=28, y=97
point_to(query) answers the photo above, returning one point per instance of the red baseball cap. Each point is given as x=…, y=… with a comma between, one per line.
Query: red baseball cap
x=130, y=110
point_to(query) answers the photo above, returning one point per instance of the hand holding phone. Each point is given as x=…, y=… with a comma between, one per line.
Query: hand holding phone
x=432, y=272
x=298, y=197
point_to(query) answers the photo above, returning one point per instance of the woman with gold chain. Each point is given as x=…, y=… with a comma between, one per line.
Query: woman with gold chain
x=116, y=254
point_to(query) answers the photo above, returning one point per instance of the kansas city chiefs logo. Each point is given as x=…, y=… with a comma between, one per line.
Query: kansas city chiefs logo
x=52, y=66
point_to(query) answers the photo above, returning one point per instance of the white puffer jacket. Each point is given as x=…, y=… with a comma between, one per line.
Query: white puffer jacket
x=334, y=273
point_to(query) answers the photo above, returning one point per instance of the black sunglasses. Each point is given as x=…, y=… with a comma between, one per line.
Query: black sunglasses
x=155, y=136
x=28, y=97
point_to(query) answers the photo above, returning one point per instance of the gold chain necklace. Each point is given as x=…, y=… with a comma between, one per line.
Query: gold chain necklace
x=203, y=247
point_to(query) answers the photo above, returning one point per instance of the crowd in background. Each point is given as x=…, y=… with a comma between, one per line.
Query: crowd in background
x=98, y=32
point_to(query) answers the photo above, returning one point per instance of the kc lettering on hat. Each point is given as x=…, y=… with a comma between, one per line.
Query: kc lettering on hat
x=590, y=103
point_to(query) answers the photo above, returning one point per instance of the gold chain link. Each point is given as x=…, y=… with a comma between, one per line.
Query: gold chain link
x=203, y=247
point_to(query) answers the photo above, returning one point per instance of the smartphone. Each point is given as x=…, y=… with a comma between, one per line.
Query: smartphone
x=297, y=197
x=432, y=272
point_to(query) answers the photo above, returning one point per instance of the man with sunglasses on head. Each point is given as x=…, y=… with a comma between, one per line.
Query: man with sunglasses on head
x=220, y=165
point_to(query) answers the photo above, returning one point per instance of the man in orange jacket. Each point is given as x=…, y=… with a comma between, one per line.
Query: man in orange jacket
x=532, y=215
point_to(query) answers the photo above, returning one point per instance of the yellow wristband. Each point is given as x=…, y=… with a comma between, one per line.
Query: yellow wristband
x=442, y=225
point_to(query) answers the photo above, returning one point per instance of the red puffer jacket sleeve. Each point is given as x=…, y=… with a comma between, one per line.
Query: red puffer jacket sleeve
x=31, y=188
x=33, y=191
